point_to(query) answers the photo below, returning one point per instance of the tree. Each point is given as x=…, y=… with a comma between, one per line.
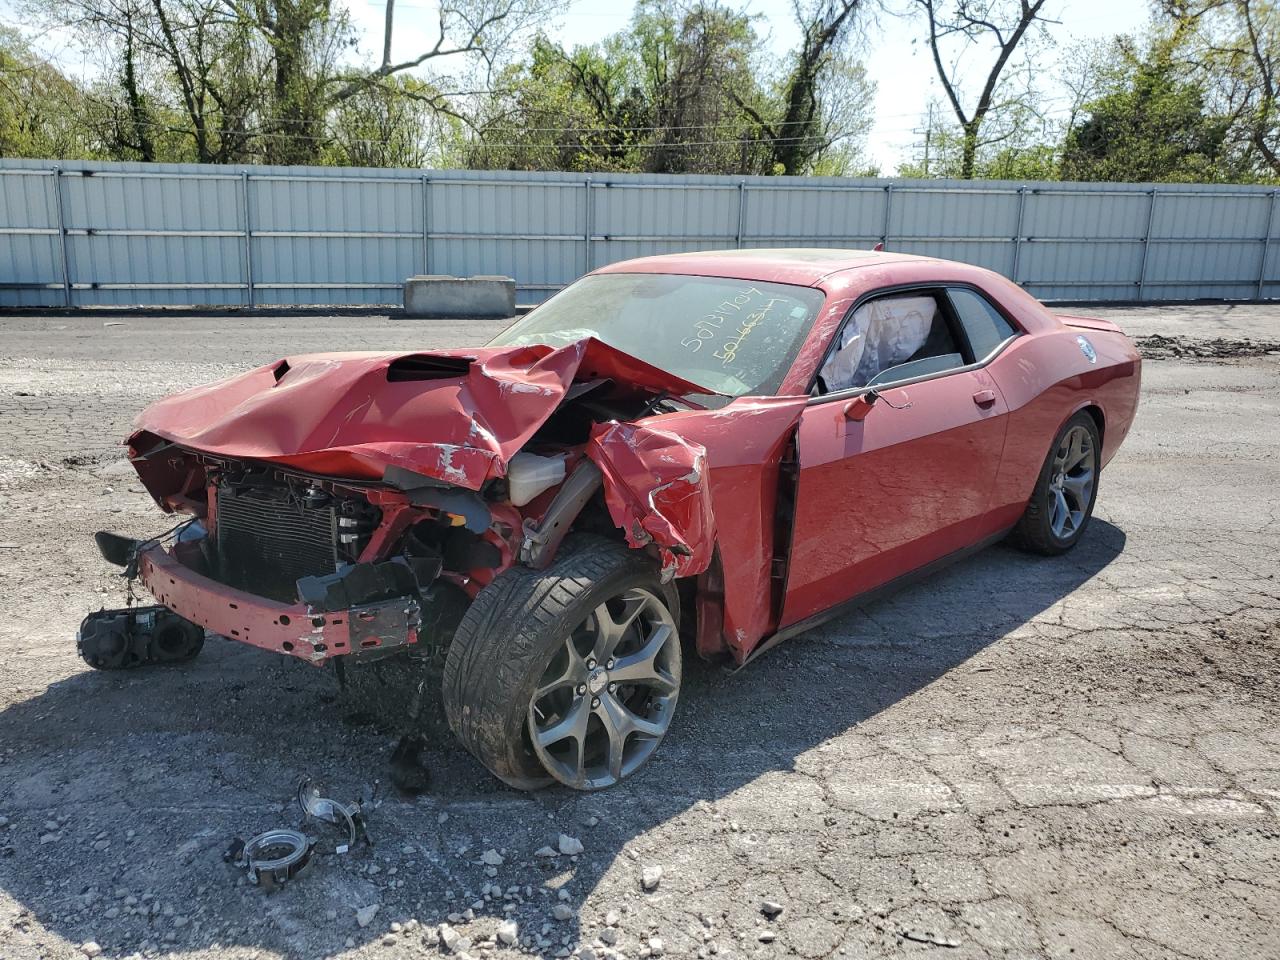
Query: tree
x=1233, y=54
x=241, y=80
x=681, y=90
x=652, y=97
x=382, y=126
x=40, y=108
x=1150, y=125
x=1026, y=148
x=799, y=133
x=1005, y=24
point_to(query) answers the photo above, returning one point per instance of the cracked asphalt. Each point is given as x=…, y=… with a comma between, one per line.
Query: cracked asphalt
x=1019, y=757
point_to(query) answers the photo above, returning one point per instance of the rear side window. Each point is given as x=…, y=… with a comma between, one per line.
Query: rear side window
x=986, y=326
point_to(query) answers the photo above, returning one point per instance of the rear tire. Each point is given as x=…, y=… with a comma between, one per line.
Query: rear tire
x=1061, y=504
x=515, y=636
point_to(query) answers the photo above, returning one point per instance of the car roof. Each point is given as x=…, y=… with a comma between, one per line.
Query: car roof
x=800, y=265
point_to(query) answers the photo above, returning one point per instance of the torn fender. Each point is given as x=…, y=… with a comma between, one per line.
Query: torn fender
x=454, y=415
x=745, y=442
x=736, y=454
x=657, y=490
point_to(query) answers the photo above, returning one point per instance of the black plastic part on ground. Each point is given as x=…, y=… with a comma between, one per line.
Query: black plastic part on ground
x=131, y=637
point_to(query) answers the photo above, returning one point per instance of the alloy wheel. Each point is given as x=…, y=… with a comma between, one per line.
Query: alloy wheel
x=1071, y=482
x=606, y=699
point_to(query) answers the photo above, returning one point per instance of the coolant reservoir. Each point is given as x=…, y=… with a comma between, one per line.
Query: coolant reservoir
x=529, y=474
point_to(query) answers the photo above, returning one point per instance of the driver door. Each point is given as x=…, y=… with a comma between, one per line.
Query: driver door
x=909, y=483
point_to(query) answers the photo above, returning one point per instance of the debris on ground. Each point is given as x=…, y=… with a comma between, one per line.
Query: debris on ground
x=408, y=773
x=650, y=877
x=350, y=815
x=508, y=932
x=1159, y=680
x=273, y=858
x=570, y=846
x=365, y=915
x=929, y=938
x=1157, y=347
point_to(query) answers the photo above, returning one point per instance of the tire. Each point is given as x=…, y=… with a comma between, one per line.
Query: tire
x=521, y=630
x=1042, y=528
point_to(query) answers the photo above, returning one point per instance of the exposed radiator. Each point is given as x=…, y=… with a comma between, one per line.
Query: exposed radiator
x=266, y=541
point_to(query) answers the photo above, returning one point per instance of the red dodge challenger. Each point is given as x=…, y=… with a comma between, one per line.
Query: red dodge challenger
x=713, y=451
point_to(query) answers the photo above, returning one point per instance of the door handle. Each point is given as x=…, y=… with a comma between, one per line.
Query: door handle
x=984, y=398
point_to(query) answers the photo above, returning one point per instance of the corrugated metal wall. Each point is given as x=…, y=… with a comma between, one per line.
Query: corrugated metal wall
x=85, y=234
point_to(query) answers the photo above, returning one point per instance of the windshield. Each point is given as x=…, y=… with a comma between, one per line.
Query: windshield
x=736, y=337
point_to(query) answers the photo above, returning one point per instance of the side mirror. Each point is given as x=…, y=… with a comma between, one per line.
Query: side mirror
x=859, y=407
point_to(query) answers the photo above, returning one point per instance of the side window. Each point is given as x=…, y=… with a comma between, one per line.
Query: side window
x=891, y=338
x=985, y=325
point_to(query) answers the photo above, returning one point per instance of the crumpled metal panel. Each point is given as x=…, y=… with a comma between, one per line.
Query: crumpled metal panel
x=745, y=443
x=656, y=488
x=454, y=415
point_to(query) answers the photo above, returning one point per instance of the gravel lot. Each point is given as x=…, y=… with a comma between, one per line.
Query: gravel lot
x=1019, y=757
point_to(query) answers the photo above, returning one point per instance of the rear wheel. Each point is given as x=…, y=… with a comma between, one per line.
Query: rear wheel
x=1062, y=503
x=570, y=674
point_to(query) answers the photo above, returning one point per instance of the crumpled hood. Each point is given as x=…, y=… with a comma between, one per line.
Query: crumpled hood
x=454, y=415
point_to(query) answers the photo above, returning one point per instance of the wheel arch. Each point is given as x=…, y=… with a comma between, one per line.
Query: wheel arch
x=1094, y=409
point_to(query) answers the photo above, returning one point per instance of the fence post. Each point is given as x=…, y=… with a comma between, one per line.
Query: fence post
x=1266, y=245
x=62, y=236
x=248, y=237
x=888, y=206
x=742, y=209
x=1017, y=234
x=426, y=224
x=1146, y=243
x=586, y=233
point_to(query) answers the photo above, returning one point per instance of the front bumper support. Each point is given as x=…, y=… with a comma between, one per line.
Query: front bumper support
x=294, y=629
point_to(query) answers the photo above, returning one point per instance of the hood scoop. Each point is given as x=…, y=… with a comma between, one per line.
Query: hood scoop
x=419, y=367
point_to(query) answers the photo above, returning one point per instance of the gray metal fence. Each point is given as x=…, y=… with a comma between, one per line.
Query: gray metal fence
x=85, y=234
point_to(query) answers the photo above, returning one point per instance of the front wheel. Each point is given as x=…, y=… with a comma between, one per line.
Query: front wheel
x=570, y=674
x=1066, y=490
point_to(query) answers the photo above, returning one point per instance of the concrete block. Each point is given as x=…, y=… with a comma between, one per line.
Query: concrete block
x=451, y=297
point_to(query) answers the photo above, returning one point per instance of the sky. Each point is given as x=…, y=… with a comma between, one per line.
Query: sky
x=903, y=70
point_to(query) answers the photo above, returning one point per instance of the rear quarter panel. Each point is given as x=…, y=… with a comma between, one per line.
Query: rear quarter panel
x=1045, y=379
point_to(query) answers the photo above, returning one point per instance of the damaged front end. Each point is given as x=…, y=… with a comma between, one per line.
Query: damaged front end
x=340, y=503
x=317, y=568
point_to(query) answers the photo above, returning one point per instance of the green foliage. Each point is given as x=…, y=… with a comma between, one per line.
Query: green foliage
x=679, y=91
x=41, y=112
x=1231, y=50
x=684, y=88
x=1150, y=125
